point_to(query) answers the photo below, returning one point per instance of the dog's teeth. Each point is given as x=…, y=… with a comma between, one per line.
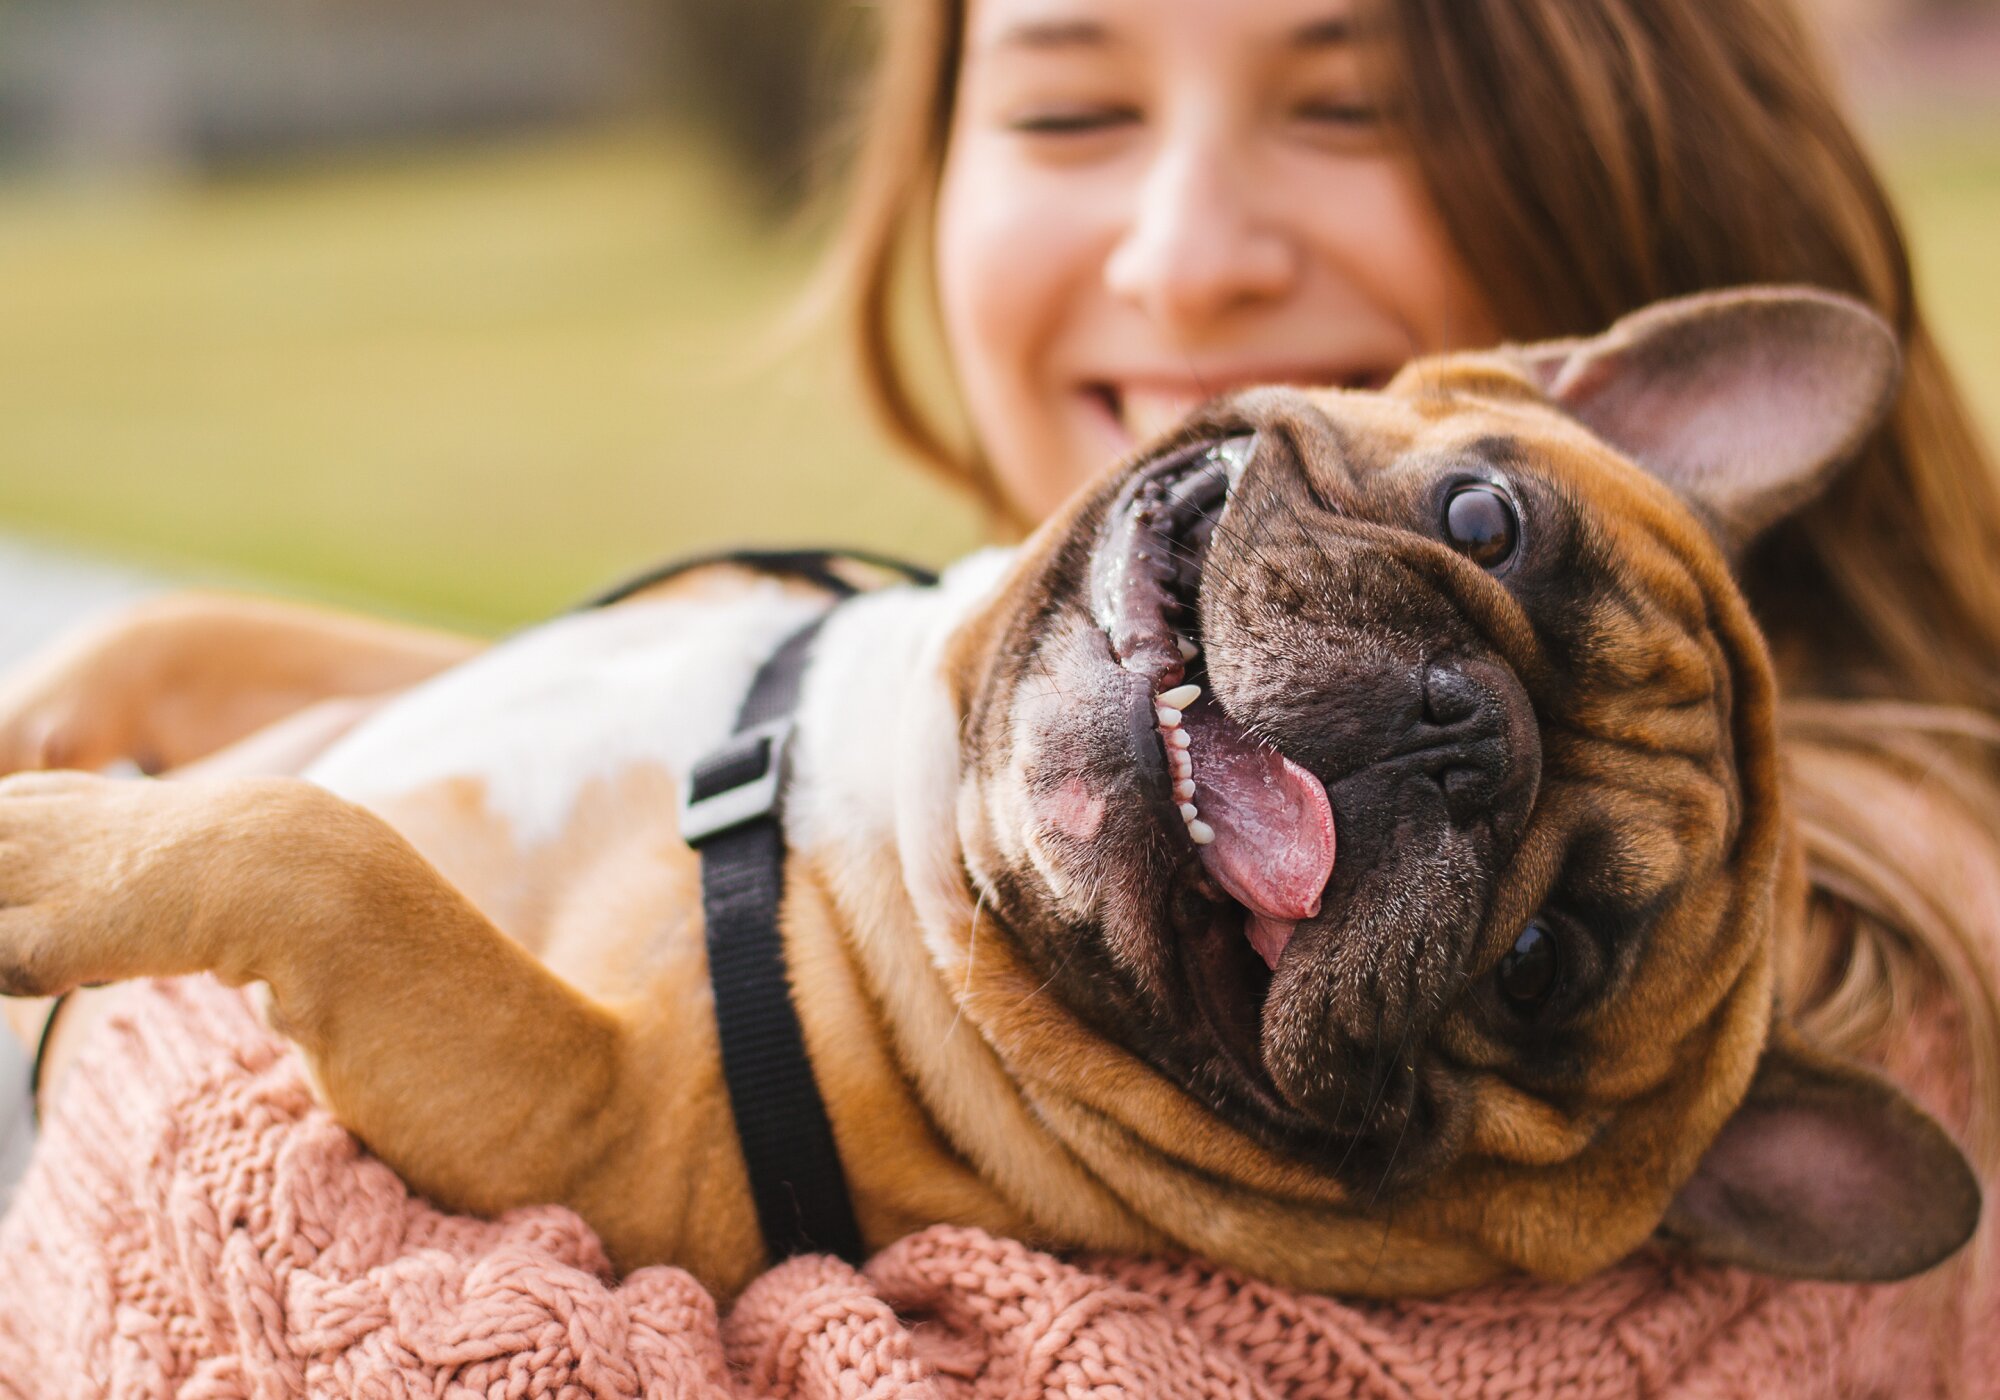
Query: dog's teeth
x=1169, y=719
x=1180, y=697
x=1182, y=765
x=1189, y=651
x=1236, y=451
x=1178, y=738
x=1188, y=812
x=1200, y=832
x=1184, y=790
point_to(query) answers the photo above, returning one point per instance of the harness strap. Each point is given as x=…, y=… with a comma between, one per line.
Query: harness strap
x=812, y=565
x=732, y=816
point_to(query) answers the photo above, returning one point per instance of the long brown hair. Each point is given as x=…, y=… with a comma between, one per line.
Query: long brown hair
x=1588, y=157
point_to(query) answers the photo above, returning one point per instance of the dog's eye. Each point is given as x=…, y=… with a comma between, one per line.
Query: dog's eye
x=1479, y=522
x=1530, y=970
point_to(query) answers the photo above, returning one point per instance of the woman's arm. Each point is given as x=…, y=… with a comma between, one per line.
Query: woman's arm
x=179, y=678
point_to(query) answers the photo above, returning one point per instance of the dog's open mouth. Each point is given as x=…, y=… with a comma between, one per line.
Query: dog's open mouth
x=1259, y=824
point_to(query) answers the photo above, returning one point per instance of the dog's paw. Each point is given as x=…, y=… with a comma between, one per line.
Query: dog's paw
x=40, y=840
x=21, y=974
x=104, y=879
x=107, y=879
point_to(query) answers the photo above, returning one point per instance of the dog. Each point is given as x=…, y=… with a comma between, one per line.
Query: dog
x=1346, y=843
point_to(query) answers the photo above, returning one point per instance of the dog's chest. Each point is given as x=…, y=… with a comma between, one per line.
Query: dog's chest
x=543, y=778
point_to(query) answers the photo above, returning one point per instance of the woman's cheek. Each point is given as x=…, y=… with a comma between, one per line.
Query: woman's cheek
x=1000, y=256
x=1014, y=267
x=1377, y=227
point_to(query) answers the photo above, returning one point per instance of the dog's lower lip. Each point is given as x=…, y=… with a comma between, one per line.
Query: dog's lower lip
x=1229, y=988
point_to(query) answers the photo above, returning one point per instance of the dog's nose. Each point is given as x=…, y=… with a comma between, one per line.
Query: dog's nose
x=1477, y=740
x=1451, y=697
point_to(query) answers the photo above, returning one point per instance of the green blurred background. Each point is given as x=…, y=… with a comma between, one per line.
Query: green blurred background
x=459, y=310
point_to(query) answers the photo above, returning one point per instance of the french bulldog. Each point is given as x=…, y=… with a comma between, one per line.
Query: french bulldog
x=1348, y=843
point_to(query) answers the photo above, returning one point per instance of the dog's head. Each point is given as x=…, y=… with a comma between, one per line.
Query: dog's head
x=1396, y=774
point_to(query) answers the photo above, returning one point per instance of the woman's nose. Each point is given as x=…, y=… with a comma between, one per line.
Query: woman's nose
x=1195, y=248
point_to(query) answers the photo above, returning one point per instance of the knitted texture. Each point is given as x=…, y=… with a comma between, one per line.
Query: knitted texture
x=194, y=1225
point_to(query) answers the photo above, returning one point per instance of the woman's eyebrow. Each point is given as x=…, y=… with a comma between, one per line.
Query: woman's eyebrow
x=1334, y=31
x=1051, y=34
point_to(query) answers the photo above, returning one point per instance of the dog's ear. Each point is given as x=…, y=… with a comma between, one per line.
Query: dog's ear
x=1826, y=1171
x=1745, y=402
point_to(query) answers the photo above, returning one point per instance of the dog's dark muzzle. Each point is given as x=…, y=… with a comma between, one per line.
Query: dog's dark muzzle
x=1473, y=736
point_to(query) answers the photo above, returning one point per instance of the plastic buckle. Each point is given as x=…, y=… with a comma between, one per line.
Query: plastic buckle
x=752, y=796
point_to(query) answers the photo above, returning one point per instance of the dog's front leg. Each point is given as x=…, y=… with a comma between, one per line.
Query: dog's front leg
x=453, y=1054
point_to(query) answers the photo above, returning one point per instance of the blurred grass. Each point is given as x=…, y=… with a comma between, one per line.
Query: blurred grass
x=473, y=386
x=470, y=386
x=1945, y=177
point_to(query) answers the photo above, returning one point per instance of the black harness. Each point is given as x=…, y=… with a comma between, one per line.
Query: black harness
x=732, y=814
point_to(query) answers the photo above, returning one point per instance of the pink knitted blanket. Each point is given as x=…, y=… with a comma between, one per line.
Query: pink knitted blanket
x=194, y=1226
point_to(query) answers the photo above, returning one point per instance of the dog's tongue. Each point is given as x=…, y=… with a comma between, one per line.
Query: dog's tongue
x=1273, y=846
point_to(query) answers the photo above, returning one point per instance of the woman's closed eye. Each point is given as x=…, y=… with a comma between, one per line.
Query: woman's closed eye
x=1338, y=121
x=1348, y=113
x=1074, y=120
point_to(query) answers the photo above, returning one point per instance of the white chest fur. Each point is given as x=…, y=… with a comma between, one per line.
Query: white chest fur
x=580, y=699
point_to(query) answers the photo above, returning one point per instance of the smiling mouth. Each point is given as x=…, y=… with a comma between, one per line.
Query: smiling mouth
x=1145, y=412
x=1258, y=828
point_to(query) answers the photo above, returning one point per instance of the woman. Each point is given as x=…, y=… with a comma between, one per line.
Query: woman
x=1119, y=207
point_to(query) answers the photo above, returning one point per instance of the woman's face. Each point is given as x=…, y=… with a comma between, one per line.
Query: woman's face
x=1148, y=202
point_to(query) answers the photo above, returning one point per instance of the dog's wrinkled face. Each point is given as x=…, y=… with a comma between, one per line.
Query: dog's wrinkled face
x=1395, y=773
x=1350, y=762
